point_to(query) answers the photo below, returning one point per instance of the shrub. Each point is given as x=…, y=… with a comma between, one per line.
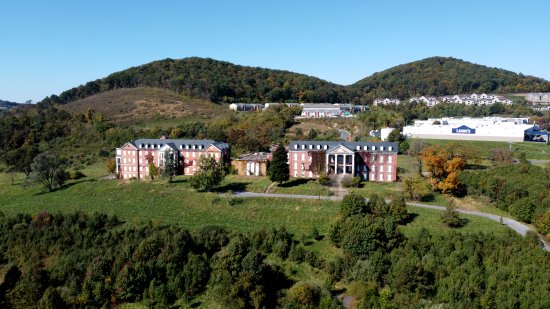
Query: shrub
x=523, y=209
x=323, y=179
x=353, y=204
x=417, y=188
x=351, y=182
x=451, y=218
x=542, y=223
x=304, y=295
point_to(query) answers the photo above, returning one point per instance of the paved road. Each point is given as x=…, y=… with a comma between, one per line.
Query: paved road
x=517, y=226
x=344, y=135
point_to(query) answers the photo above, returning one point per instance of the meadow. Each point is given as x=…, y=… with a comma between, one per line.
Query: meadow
x=158, y=202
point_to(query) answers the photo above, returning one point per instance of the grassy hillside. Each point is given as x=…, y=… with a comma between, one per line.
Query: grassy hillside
x=141, y=201
x=130, y=105
x=442, y=76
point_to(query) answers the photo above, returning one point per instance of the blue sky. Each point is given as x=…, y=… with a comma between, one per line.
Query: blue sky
x=50, y=46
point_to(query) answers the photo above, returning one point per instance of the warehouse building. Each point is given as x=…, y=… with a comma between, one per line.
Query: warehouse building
x=477, y=129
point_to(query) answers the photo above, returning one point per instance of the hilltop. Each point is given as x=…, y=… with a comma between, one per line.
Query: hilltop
x=213, y=80
x=219, y=81
x=442, y=76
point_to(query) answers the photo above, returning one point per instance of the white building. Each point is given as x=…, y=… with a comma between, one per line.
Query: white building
x=468, y=99
x=480, y=129
x=386, y=101
x=327, y=110
x=541, y=97
x=246, y=107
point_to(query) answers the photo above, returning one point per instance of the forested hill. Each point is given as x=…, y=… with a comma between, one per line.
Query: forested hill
x=442, y=76
x=220, y=81
x=214, y=80
x=7, y=104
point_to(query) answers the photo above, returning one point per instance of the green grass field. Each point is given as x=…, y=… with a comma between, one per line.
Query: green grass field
x=143, y=201
x=537, y=151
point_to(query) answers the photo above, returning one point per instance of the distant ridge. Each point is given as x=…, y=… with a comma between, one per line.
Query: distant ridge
x=7, y=104
x=220, y=81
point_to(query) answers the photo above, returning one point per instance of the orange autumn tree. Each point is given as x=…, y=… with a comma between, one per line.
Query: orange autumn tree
x=444, y=165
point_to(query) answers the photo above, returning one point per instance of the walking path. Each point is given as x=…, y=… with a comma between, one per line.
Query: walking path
x=517, y=226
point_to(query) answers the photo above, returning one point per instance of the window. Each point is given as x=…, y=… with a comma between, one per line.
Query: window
x=390, y=159
x=303, y=156
x=381, y=159
x=373, y=148
x=381, y=148
x=381, y=169
x=365, y=147
x=295, y=146
x=381, y=177
x=295, y=165
x=303, y=146
x=389, y=177
x=295, y=156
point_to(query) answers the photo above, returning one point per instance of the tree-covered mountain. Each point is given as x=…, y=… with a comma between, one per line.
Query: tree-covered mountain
x=214, y=80
x=220, y=81
x=442, y=76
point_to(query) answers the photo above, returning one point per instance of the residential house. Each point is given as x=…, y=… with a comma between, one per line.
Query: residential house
x=372, y=161
x=134, y=157
x=386, y=101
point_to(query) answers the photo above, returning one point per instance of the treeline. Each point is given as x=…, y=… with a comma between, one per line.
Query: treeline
x=217, y=81
x=76, y=260
x=521, y=189
x=440, y=76
x=221, y=81
x=79, y=260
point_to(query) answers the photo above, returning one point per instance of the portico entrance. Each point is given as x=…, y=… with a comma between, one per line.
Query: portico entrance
x=340, y=161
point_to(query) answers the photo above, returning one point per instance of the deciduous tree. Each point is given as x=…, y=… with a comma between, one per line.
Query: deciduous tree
x=209, y=175
x=48, y=170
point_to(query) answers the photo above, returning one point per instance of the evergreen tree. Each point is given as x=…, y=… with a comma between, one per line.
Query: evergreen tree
x=170, y=166
x=279, y=170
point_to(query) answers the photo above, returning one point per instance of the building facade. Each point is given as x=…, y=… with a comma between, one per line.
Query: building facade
x=468, y=99
x=480, y=129
x=386, y=101
x=252, y=164
x=372, y=161
x=134, y=157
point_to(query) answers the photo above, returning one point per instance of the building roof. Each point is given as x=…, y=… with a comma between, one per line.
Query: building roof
x=257, y=156
x=319, y=105
x=320, y=145
x=157, y=143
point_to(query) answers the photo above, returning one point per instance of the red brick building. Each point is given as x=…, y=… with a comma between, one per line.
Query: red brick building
x=132, y=159
x=372, y=161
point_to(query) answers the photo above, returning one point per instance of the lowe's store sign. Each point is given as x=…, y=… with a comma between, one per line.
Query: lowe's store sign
x=464, y=130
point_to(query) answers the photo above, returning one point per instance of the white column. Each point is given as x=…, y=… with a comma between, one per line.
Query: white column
x=327, y=163
x=257, y=169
